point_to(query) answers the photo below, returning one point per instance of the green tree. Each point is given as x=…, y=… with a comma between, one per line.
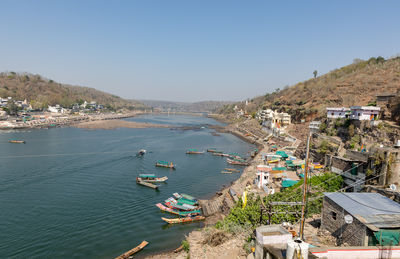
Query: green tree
x=315, y=73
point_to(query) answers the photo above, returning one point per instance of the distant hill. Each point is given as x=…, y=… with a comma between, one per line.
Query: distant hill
x=204, y=106
x=41, y=92
x=355, y=84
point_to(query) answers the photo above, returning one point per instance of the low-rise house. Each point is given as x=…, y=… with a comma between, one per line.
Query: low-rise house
x=361, y=219
x=365, y=112
x=338, y=113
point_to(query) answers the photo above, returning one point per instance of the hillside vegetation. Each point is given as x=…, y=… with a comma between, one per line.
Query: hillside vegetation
x=41, y=92
x=355, y=84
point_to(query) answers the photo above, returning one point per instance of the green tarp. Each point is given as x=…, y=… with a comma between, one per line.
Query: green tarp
x=282, y=154
x=288, y=183
x=387, y=237
x=279, y=169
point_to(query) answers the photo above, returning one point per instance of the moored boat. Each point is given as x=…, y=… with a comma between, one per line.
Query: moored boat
x=177, y=212
x=151, y=178
x=17, y=141
x=183, y=220
x=185, y=196
x=133, y=251
x=226, y=172
x=236, y=162
x=232, y=169
x=194, y=152
x=174, y=204
x=213, y=150
x=144, y=183
x=165, y=164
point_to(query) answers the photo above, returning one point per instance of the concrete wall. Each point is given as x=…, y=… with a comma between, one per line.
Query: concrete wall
x=356, y=252
x=353, y=234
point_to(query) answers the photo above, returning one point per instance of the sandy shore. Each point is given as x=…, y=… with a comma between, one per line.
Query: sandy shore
x=114, y=124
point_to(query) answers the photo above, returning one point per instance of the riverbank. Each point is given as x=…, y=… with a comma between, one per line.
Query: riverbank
x=49, y=120
x=209, y=242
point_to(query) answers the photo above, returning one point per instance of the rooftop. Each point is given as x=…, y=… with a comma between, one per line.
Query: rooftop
x=374, y=210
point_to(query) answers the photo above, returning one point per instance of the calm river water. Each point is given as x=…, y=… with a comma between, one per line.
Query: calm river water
x=71, y=193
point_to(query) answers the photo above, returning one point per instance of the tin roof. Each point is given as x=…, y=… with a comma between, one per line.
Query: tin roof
x=374, y=210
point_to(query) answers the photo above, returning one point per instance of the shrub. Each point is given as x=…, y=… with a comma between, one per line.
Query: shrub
x=185, y=246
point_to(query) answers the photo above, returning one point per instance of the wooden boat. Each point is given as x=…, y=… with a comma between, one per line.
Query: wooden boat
x=236, y=162
x=174, y=204
x=212, y=150
x=194, y=152
x=133, y=251
x=185, y=198
x=232, y=169
x=151, y=178
x=144, y=183
x=165, y=164
x=177, y=212
x=226, y=172
x=183, y=220
x=17, y=141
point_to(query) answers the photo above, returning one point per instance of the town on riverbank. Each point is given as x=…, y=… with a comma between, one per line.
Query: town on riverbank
x=350, y=208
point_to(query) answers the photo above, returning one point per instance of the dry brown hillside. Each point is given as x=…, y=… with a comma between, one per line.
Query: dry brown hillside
x=41, y=92
x=355, y=84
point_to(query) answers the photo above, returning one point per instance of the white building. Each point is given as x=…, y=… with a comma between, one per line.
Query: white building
x=337, y=113
x=263, y=175
x=273, y=119
x=365, y=112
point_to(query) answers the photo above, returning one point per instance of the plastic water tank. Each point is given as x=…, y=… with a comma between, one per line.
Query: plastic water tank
x=296, y=249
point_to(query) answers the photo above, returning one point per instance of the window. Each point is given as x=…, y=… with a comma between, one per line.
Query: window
x=333, y=214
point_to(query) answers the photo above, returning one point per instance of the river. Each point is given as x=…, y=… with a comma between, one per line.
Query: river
x=72, y=193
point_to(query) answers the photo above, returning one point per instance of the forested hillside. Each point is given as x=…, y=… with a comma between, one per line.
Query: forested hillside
x=41, y=92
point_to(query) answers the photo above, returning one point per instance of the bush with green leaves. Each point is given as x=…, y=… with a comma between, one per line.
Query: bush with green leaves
x=242, y=219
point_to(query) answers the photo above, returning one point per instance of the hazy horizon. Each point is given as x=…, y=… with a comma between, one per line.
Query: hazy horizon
x=183, y=51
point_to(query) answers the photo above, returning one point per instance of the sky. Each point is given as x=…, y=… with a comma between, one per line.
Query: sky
x=192, y=50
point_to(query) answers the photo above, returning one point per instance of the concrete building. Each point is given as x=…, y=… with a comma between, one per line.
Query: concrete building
x=361, y=219
x=338, y=113
x=352, y=169
x=364, y=112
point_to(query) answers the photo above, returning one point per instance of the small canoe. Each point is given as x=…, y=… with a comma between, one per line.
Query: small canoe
x=133, y=251
x=165, y=164
x=183, y=220
x=226, y=172
x=177, y=212
x=17, y=141
x=194, y=152
x=235, y=162
x=232, y=169
x=144, y=183
x=211, y=150
x=273, y=161
x=151, y=178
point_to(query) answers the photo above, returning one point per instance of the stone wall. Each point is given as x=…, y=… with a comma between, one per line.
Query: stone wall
x=353, y=234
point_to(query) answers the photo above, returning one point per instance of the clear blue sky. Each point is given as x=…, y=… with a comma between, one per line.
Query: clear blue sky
x=187, y=50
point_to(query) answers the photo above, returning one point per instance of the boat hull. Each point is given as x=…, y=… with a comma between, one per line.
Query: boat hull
x=183, y=220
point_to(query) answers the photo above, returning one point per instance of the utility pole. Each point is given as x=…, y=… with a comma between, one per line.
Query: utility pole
x=305, y=189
